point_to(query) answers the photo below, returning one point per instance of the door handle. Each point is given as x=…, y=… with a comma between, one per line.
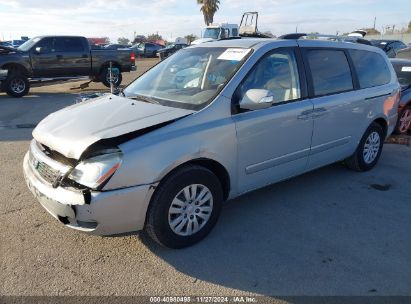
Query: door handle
x=319, y=112
x=305, y=115
x=311, y=114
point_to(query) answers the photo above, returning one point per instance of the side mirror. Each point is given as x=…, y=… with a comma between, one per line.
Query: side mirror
x=256, y=99
x=38, y=49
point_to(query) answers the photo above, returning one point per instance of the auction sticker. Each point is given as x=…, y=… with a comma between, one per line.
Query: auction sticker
x=234, y=54
x=406, y=69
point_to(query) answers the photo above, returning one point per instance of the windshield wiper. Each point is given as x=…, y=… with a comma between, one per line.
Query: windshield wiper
x=144, y=98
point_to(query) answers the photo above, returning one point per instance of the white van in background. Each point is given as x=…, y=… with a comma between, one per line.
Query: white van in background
x=217, y=31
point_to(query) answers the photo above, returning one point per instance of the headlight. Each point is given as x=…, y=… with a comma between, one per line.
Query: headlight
x=93, y=172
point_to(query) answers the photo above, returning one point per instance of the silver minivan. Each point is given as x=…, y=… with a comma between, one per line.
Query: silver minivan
x=206, y=125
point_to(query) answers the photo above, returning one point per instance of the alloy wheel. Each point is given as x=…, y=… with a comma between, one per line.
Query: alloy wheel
x=371, y=147
x=190, y=210
x=405, y=121
x=113, y=79
x=17, y=85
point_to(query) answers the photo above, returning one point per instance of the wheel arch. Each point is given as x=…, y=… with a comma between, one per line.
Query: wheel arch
x=383, y=123
x=17, y=67
x=214, y=166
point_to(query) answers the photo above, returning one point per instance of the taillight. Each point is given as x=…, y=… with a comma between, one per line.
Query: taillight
x=132, y=57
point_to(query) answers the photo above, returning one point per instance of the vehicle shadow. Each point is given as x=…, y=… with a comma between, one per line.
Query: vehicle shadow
x=323, y=233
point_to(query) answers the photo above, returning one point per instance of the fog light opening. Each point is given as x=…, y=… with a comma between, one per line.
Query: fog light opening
x=64, y=219
x=88, y=225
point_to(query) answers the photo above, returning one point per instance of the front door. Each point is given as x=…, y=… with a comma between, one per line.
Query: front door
x=273, y=143
x=44, y=63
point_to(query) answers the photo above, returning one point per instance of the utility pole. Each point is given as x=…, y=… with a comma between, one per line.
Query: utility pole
x=375, y=20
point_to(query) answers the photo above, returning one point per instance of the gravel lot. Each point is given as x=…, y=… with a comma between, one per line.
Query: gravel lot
x=328, y=232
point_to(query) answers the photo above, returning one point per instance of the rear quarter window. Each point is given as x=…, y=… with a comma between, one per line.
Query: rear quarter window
x=372, y=69
x=330, y=72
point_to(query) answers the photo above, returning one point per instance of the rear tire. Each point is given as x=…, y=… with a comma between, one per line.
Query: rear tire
x=16, y=85
x=369, y=149
x=105, y=78
x=404, y=121
x=185, y=207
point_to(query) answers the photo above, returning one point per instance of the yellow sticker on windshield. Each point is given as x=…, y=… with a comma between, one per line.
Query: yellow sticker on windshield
x=234, y=54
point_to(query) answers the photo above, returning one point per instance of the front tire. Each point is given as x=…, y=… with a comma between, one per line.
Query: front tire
x=17, y=85
x=404, y=121
x=185, y=207
x=369, y=149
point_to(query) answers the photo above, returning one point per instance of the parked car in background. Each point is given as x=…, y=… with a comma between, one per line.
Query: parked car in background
x=57, y=57
x=206, y=125
x=17, y=43
x=6, y=44
x=116, y=46
x=146, y=49
x=403, y=69
x=170, y=49
x=404, y=53
x=390, y=47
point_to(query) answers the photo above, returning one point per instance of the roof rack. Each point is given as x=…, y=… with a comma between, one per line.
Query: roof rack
x=352, y=39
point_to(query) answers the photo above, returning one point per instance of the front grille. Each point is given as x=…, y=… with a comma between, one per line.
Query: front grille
x=46, y=172
x=58, y=156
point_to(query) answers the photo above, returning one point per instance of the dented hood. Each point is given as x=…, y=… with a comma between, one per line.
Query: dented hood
x=72, y=130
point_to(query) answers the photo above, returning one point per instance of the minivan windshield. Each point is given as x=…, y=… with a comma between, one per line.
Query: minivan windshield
x=190, y=78
x=28, y=44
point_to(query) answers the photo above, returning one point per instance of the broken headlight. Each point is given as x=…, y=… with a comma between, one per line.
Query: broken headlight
x=95, y=171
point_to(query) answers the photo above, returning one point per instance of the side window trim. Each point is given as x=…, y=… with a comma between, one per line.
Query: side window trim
x=301, y=76
x=354, y=75
x=310, y=82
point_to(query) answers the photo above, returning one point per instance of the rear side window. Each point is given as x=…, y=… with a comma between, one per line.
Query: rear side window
x=330, y=71
x=69, y=44
x=371, y=68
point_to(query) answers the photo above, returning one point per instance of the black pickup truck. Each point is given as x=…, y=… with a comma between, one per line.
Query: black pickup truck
x=60, y=57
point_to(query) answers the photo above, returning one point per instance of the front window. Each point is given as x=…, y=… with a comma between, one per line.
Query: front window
x=190, y=79
x=213, y=33
x=28, y=44
x=277, y=72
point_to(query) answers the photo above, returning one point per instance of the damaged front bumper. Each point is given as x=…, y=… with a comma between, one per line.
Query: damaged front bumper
x=94, y=212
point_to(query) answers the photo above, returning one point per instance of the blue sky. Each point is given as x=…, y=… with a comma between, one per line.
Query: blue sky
x=173, y=18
